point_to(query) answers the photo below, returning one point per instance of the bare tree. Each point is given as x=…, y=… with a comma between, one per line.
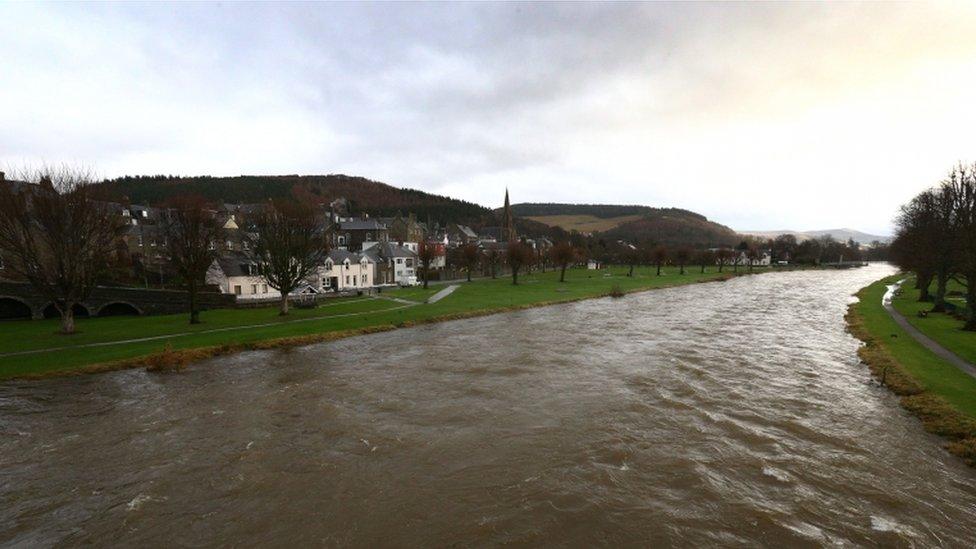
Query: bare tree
x=426, y=253
x=470, y=257
x=659, y=255
x=56, y=235
x=290, y=246
x=563, y=254
x=723, y=257
x=492, y=257
x=192, y=235
x=705, y=258
x=681, y=256
x=518, y=254
x=960, y=188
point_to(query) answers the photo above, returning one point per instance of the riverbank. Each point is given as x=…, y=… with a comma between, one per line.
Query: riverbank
x=941, y=395
x=32, y=349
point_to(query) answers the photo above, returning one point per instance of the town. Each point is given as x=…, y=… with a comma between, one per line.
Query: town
x=292, y=253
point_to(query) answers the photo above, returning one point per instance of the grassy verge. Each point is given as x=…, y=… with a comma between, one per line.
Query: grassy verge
x=165, y=341
x=941, y=327
x=943, y=397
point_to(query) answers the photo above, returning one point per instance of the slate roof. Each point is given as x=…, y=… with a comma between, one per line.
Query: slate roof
x=362, y=225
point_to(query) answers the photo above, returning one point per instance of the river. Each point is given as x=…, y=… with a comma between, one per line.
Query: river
x=729, y=413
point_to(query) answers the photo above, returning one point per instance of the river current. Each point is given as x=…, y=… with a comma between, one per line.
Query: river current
x=731, y=414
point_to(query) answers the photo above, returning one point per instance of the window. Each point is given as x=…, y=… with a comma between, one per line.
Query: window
x=152, y=243
x=342, y=240
x=369, y=237
x=237, y=290
x=211, y=246
x=140, y=241
x=399, y=261
x=229, y=244
x=254, y=288
x=245, y=245
x=347, y=266
x=353, y=281
x=364, y=279
x=264, y=288
x=347, y=279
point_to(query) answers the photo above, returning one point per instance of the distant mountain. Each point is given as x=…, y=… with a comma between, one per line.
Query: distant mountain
x=838, y=234
x=363, y=195
x=671, y=226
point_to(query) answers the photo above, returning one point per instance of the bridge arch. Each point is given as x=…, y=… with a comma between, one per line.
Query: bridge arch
x=14, y=308
x=119, y=308
x=80, y=311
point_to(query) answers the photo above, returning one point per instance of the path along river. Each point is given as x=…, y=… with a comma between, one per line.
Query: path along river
x=729, y=413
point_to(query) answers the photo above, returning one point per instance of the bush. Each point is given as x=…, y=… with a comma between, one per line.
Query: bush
x=615, y=291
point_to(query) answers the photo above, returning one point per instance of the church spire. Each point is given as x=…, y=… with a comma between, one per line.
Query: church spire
x=508, y=223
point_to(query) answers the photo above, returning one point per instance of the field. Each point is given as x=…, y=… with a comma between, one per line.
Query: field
x=33, y=348
x=584, y=223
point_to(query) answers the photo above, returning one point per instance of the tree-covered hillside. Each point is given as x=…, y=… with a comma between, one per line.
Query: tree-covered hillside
x=364, y=195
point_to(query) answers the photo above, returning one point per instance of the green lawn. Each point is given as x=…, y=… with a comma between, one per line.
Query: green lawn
x=65, y=353
x=931, y=372
x=942, y=328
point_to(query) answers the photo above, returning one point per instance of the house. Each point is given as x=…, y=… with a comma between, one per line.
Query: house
x=237, y=274
x=593, y=265
x=344, y=271
x=350, y=234
x=459, y=235
x=404, y=229
x=395, y=263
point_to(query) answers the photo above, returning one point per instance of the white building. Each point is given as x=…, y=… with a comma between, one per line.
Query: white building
x=344, y=271
x=238, y=274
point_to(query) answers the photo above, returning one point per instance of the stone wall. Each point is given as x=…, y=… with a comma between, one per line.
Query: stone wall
x=109, y=300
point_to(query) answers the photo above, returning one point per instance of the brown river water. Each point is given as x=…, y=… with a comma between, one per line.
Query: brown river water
x=725, y=414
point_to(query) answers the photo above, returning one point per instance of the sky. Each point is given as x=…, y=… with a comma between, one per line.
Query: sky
x=761, y=116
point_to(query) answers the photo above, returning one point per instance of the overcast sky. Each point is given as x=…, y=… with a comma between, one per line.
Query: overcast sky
x=760, y=116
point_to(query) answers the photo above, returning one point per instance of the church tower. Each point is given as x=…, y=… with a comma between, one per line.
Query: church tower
x=508, y=223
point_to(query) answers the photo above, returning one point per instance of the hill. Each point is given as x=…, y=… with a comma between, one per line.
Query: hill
x=838, y=234
x=364, y=195
x=671, y=226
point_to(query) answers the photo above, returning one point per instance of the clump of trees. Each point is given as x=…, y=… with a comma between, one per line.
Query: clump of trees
x=58, y=235
x=936, y=240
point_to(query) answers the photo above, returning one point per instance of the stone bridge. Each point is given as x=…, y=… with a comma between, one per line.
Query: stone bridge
x=21, y=301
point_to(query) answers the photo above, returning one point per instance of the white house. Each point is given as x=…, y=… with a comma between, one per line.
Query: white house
x=238, y=274
x=344, y=271
x=395, y=264
x=593, y=265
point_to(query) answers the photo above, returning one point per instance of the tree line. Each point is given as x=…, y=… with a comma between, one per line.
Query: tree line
x=936, y=240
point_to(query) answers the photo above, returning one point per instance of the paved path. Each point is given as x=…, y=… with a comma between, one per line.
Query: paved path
x=442, y=294
x=926, y=341
x=210, y=331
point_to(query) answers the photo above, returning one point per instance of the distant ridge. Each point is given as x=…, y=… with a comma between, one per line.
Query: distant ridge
x=633, y=223
x=838, y=234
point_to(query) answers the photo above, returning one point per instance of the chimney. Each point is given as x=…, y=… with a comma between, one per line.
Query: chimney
x=3, y=177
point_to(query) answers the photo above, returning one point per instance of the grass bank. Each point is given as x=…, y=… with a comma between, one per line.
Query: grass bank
x=168, y=340
x=943, y=328
x=943, y=397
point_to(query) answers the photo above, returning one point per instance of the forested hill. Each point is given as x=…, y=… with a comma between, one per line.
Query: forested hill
x=364, y=195
x=644, y=224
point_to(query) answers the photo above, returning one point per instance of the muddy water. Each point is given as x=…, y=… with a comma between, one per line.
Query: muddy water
x=720, y=414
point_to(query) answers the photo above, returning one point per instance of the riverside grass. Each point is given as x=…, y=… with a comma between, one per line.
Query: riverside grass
x=176, y=343
x=943, y=397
